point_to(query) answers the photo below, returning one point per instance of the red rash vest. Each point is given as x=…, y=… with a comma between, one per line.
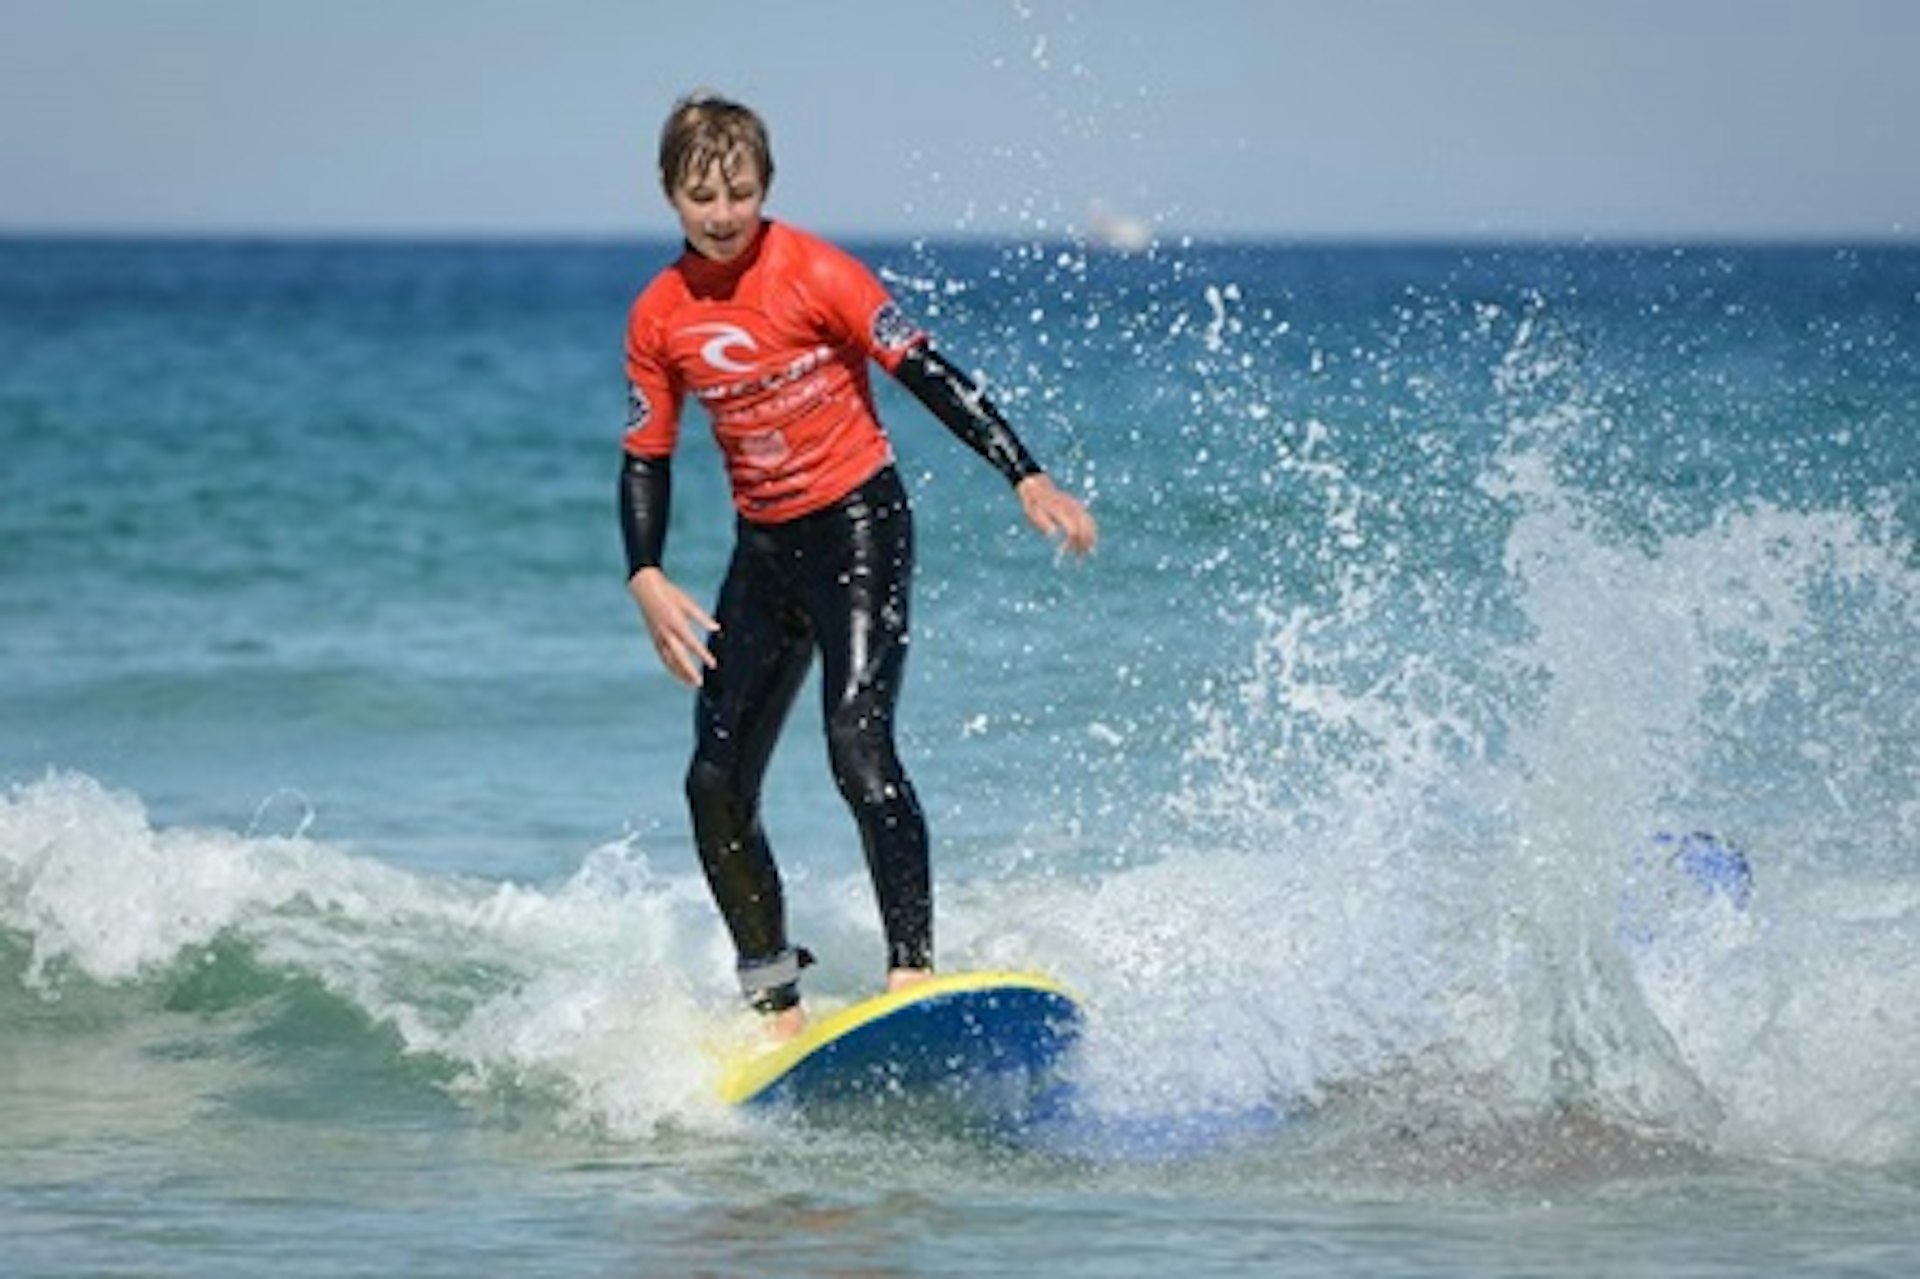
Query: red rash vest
x=775, y=344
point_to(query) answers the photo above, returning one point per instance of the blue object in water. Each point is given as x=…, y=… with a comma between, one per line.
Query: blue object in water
x=1715, y=867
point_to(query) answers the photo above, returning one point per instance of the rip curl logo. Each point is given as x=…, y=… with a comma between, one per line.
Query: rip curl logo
x=892, y=330
x=638, y=408
x=719, y=350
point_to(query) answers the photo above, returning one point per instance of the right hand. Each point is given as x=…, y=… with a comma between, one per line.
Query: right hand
x=678, y=626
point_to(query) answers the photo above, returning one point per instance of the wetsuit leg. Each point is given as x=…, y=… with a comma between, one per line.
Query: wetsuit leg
x=762, y=650
x=858, y=596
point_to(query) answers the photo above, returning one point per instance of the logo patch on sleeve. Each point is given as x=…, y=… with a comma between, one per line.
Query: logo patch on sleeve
x=638, y=409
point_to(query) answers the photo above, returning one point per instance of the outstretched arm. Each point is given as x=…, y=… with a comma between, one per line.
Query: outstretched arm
x=964, y=409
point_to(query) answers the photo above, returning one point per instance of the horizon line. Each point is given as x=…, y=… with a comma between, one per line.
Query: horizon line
x=1898, y=237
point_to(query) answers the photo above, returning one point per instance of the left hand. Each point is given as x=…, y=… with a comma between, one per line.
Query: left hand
x=1058, y=514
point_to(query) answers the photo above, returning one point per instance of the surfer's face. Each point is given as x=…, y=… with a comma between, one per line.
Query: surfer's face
x=719, y=206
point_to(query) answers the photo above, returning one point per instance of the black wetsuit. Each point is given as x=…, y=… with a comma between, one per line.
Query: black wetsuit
x=836, y=581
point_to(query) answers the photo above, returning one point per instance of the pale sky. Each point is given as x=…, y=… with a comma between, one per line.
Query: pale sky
x=1343, y=118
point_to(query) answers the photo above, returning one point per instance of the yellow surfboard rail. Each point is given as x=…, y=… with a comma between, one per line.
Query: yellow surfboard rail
x=748, y=1074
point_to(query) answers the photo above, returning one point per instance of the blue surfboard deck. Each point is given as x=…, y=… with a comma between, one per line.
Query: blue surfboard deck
x=989, y=1043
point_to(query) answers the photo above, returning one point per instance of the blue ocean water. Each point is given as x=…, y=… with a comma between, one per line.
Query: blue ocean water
x=1451, y=599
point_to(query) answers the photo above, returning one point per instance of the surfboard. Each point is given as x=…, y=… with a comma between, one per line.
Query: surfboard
x=991, y=1040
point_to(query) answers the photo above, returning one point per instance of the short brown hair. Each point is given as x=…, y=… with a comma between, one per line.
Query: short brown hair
x=704, y=127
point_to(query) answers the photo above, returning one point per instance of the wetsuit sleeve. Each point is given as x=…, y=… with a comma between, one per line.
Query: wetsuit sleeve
x=653, y=427
x=964, y=409
x=646, y=495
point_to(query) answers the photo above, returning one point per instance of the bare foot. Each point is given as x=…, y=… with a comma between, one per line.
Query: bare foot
x=786, y=1023
x=901, y=978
